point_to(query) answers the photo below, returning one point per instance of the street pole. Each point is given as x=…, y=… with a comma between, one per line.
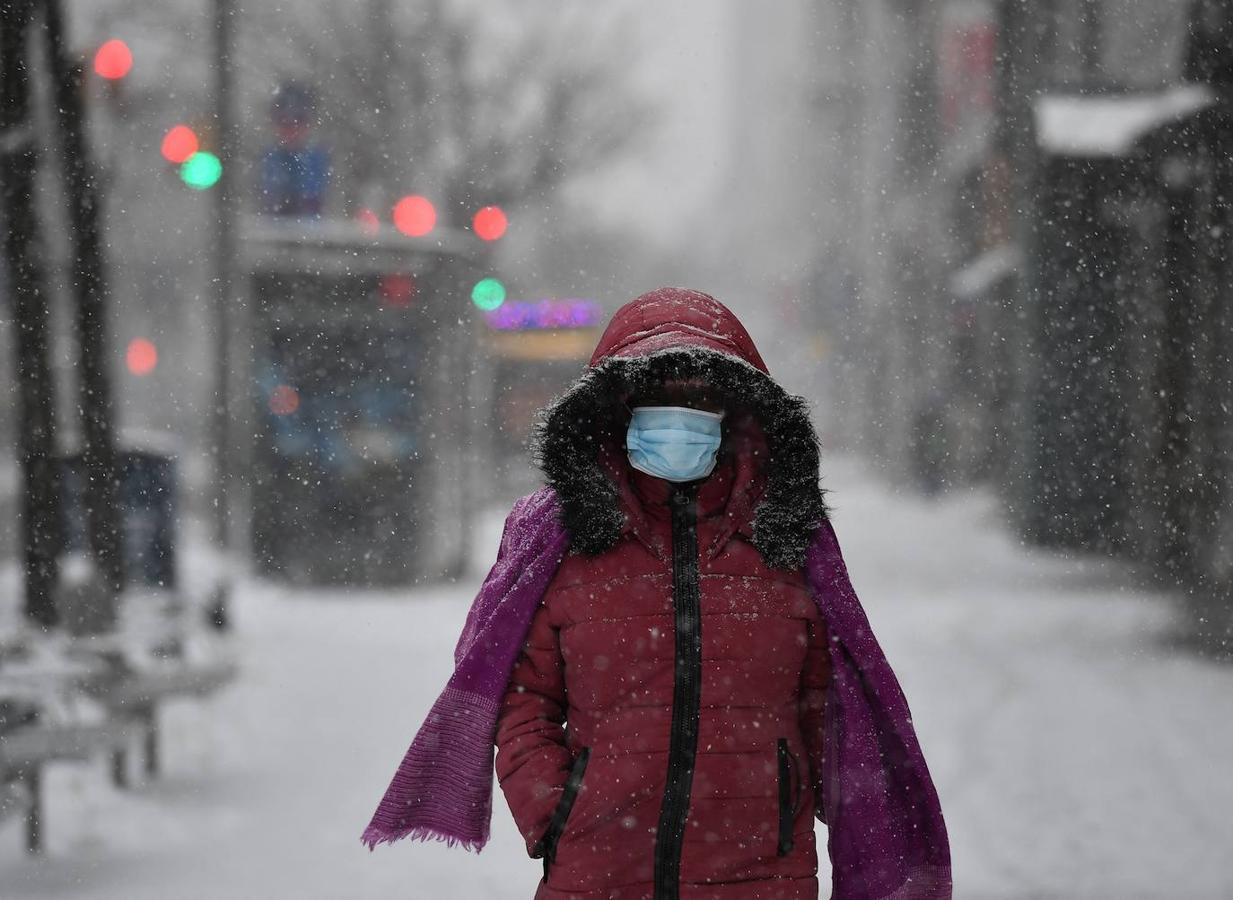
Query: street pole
x=390, y=162
x=224, y=262
x=36, y=431
x=1090, y=43
x=100, y=491
x=1018, y=59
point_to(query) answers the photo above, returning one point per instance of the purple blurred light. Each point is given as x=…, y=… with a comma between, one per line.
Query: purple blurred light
x=525, y=315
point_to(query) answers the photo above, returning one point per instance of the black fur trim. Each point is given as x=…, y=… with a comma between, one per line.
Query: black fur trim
x=569, y=432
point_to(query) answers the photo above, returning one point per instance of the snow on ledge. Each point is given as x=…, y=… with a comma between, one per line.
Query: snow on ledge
x=985, y=271
x=1109, y=125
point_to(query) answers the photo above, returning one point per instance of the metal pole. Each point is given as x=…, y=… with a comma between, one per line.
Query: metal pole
x=1090, y=43
x=390, y=162
x=224, y=261
x=36, y=428
x=1018, y=82
x=33, y=778
x=98, y=457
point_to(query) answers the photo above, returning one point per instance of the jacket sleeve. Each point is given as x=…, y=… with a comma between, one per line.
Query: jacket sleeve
x=533, y=761
x=815, y=684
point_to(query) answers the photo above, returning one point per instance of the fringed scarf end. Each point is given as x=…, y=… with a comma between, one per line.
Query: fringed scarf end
x=373, y=836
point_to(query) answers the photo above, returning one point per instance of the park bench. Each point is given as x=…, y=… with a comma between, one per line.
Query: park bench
x=128, y=699
x=42, y=737
x=24, y=751
x=134, y=698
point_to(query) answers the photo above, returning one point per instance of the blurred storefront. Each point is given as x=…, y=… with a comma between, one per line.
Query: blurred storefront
x=1126, y=239
x=1135, y=427
x=535, y=350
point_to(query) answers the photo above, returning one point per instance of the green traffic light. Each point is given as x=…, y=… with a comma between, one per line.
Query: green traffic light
x=488, y=294
x=201, y=170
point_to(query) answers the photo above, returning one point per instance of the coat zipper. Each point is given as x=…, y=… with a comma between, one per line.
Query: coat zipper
x=686, y=694
x=556, y=825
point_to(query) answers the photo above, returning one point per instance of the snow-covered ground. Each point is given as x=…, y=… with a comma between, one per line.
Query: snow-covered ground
x=1076, y=754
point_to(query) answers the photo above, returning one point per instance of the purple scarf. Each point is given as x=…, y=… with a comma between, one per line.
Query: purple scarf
x=886, y=836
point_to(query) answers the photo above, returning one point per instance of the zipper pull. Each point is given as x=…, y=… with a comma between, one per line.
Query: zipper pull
x=682, y=494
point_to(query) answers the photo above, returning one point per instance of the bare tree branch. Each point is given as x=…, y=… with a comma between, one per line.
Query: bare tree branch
x=443, y=102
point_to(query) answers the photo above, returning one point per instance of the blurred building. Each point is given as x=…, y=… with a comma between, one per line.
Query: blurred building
x=1127, y=237
x=760, y=238
x=1039, y=248
x=880, y=258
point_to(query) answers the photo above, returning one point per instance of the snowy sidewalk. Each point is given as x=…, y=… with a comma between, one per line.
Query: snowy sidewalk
x=1076, y=755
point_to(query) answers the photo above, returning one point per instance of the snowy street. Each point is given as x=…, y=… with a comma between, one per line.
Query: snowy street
x=297, y=298
x=1076, y=754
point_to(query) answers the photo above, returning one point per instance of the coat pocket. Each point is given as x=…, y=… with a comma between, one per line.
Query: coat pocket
x=547, y=845
x=789, y=795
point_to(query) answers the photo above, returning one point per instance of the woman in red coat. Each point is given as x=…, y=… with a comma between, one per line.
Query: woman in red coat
x=661, y=734
x=668, y=653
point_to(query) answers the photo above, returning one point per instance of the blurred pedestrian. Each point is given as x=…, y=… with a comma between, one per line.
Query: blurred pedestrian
x=668, y=654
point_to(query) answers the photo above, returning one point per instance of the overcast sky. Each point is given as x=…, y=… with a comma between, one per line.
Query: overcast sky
x=684, y=70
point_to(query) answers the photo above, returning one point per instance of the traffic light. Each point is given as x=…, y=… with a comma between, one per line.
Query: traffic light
x=201, y=170
x=488, y=294
x=198, y=168
x=415, y=216
x=113, y=60
x=141, y=356
x=489, y=223
x=179, y=144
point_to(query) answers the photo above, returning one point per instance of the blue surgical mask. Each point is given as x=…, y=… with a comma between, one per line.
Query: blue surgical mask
x=673, y=442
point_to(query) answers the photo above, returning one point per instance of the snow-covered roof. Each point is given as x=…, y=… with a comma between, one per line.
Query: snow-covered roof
x=1109, y=125
x=330, y=244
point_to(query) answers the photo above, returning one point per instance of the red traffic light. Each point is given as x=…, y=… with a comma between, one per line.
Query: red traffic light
x=113, y=60
x=490, y=223
x=179, y=144
x=414, y=216
x=141, y=356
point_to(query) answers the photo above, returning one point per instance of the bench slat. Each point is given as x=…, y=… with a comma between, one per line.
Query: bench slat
x=40, y=743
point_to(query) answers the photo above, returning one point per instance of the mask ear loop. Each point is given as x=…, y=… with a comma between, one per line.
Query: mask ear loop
x=629, y=418
x=624, y=432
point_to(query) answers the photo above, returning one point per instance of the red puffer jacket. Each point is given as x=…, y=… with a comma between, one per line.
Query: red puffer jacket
x=661, y=736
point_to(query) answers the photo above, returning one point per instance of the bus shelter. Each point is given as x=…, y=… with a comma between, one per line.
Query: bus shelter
x=358, y=378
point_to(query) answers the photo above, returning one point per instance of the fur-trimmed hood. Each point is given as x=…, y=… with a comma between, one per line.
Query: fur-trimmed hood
x=677, y=334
